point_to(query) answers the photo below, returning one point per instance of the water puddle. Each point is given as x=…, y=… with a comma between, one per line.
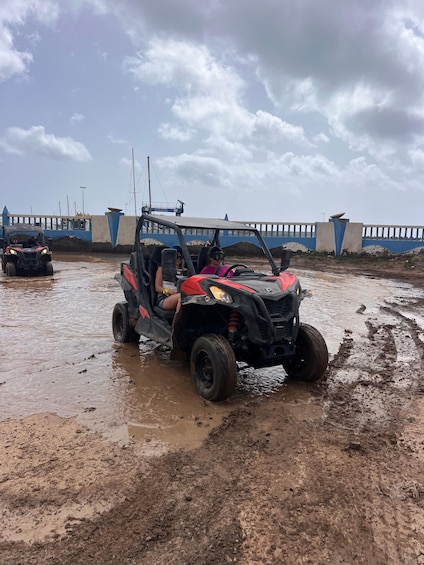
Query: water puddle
x=59, y=355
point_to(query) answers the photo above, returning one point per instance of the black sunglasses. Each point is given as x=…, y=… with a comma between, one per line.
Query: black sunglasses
x=218, y=256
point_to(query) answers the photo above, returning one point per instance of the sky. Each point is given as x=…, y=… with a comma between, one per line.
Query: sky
x=271, y=110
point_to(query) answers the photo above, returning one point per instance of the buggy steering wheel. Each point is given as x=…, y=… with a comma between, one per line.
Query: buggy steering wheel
x=233, y=267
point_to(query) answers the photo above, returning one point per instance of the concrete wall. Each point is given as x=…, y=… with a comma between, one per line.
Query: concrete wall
x=352, y=241
x=100, y=229
x=126, y=230
x=325, y=234
x=325, y=238
x=115, y=231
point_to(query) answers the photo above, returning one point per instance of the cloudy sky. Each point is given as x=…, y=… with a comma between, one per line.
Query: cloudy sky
x=281, y=110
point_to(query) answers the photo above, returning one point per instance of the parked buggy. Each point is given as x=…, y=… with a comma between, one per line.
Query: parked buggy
x=251, y=317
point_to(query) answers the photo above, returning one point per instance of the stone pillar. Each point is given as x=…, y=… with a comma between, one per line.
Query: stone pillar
x=338, y=236
x=325, y=238
x=5, y=217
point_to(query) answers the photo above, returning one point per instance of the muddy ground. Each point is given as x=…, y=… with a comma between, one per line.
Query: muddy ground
x=338, y=479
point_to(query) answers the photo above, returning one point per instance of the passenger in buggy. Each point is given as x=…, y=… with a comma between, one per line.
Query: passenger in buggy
x=167, y=296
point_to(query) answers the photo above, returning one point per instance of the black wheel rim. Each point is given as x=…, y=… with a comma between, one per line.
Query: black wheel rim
x=300, y=361
x=204, y=369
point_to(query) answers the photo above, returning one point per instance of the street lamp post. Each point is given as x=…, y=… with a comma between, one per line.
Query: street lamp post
x=82, y=190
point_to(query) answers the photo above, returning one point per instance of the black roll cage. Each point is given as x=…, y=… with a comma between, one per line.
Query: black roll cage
x=179, y=223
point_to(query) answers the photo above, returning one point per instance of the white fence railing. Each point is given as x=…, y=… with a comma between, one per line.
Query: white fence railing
x=393, y=232
x=57, y=223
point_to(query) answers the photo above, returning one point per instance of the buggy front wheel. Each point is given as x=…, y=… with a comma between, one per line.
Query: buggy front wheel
x=122, y=331
x=49, y=269
x=213, y=367
x=10, y=269
x=310, y=361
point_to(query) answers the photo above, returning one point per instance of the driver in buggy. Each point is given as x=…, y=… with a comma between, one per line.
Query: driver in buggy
x=33, y=241
x=215, y=264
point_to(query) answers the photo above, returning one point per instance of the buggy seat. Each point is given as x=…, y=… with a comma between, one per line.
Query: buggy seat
x=154, y=263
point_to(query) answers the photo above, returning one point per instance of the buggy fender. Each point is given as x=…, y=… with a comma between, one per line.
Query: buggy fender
x=127, y=278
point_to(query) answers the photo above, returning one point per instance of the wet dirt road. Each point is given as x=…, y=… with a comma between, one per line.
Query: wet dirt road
x=59, y=355
x=282, y=472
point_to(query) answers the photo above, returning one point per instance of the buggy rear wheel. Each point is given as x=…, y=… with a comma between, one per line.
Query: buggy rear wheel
x=311, y=358
x=213, y=367
x=10, y=269
x=122, y=331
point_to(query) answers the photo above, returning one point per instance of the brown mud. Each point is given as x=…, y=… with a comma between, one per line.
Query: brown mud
x=331, y=473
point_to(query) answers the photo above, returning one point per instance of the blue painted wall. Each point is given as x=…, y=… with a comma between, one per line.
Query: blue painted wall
x=82, y=231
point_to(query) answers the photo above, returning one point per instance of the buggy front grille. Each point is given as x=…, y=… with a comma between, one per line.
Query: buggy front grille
x=29, y=260
x=282, y=307
x=281, y=313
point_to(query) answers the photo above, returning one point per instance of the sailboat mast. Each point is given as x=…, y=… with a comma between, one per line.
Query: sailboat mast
x=150, y=192
x=133, y=175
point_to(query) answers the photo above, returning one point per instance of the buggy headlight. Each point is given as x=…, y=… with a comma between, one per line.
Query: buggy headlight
x=220, y=294
x=44, y=252
x=13, y=252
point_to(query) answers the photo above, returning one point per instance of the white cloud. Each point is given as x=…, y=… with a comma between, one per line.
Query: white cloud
x=321, y=138
x=208, y=92
x=14, y=13
x=310, y=56
x=209, y=171
x=274, y=128
x=76, y=117
x=174, y=132
x=208, y=95
x=37, y=141
x=12, y=62
x=116, y=141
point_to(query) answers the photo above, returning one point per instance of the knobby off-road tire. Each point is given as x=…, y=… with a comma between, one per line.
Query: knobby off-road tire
x=10, y=269
x=49, y=269
x=122, y=331
x=213, y=367
x=311, y=359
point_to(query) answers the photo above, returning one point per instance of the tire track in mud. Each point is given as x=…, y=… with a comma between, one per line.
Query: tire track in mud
x=371, y=382
x=391, y=521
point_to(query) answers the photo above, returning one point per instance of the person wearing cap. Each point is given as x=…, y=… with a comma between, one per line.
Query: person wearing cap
x=167, y=296
x=180, y=259
x=215, y=266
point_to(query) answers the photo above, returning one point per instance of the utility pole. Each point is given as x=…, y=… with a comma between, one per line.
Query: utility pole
x=150, y=191
x=82, y=189
x=133, y=176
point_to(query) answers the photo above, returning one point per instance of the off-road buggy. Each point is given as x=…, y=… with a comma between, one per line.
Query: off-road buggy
x=251, y=318
x=24, y=251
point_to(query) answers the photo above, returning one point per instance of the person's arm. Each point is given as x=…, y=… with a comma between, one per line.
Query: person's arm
x=222, y=271
x=159, y=284
x=159, y=281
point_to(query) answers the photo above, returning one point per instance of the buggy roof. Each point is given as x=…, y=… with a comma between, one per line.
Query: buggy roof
x=22, y=228
x=190, y=222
